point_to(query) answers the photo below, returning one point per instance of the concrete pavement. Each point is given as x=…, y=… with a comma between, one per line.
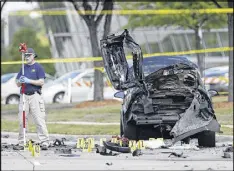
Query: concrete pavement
x=157, y=159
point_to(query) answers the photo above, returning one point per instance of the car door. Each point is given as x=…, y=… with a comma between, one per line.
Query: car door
x=82, y=88
x=115, y=62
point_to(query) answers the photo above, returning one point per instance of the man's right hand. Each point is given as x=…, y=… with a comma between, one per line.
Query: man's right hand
x=21, y=79
x=24, y=79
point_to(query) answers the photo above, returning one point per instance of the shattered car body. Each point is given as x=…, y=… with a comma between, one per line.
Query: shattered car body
x=163, y=96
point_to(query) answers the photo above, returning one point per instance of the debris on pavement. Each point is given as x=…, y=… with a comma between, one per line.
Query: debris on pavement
x=185, y=165
x=226, y=155
x=184, y=147
x=62, y=151
x=109, y=164
x=5, y=136
x=103, y=151
x=176, y=154
x=229, y=149
x=100, y=149
x=137, y=152
x=69, y=155
x=116, y=147
x=58, y=142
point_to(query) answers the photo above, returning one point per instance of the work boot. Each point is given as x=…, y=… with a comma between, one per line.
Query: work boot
x=18, y=147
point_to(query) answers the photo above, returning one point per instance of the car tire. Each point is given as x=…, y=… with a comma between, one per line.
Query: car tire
x=206, y=139
x=13, y=98
x=58, y=96
x=186, y=140
x=121, y=125
x=130, y=131
x=121, y=129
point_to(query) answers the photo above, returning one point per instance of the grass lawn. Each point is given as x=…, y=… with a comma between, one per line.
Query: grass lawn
x=97, y=114
x=12, y=126
x=103, y=113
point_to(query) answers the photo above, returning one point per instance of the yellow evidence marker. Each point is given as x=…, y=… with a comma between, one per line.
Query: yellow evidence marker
x=36, y=150
x=80, y=143
x=120, y=142
x=132, y=145
x=30, y=146
x=140, y=144
x=101, y=141
x=91, y=142
x=87, y=146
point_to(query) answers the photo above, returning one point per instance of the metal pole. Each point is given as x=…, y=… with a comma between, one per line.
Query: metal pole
x=23, y=49
x=23, y=96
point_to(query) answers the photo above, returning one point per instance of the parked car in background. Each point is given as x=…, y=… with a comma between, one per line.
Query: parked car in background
x=216, y=78
x=10, y=93
x=163, y=97
x=53, y=92
x=82, y=87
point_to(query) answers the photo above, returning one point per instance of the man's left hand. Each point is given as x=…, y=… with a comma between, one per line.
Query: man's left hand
x=24, y=79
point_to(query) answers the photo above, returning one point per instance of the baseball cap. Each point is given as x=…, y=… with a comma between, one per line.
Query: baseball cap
x=30, y=50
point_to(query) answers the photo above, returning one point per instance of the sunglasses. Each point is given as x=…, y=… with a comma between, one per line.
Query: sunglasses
x=27, y=55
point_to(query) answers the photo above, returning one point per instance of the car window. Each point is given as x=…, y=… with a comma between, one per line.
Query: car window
x=88, y=79
x=7, y=77
x=153, y=64
x=49, y=78
x=215, y=74
x=217, y=71
x=64, y=78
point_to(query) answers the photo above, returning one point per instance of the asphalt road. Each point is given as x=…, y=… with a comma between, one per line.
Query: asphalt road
x=157, y=159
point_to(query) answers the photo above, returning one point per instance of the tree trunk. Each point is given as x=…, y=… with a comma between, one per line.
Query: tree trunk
x=200, y=57
x=98, y=76
x=230, y=33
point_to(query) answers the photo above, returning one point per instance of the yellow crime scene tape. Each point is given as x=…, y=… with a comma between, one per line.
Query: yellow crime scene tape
x=91, y=59
x=129, y=12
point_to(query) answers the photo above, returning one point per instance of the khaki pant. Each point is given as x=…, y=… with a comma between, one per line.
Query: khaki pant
x=34, y=105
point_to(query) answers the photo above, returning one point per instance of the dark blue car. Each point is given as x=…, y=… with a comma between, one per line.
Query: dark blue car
x=162, y=96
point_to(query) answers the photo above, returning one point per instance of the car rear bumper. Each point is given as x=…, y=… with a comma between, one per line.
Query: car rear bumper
x=155, y=120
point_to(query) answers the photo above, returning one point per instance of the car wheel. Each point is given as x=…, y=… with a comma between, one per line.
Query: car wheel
x=121, y=125
x=58, y=97
x=186, y=140
x=13, y=99
x=206, y=139
x=130, y=131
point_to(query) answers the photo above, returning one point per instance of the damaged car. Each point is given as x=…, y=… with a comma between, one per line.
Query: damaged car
x=163, y=97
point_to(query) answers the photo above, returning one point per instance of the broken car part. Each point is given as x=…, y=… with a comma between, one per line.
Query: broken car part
x=137, y=152
x=116, y=147
x=69, y=155
x=5, y=136
x=229, y=149
x=226, y=155
x=163, y=96
x=109, y=164
x=62, y=151
x=176, y=154
x=58, y=142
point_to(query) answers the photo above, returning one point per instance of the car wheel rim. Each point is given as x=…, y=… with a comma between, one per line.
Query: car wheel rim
x=59, y=98
x=13, y=100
